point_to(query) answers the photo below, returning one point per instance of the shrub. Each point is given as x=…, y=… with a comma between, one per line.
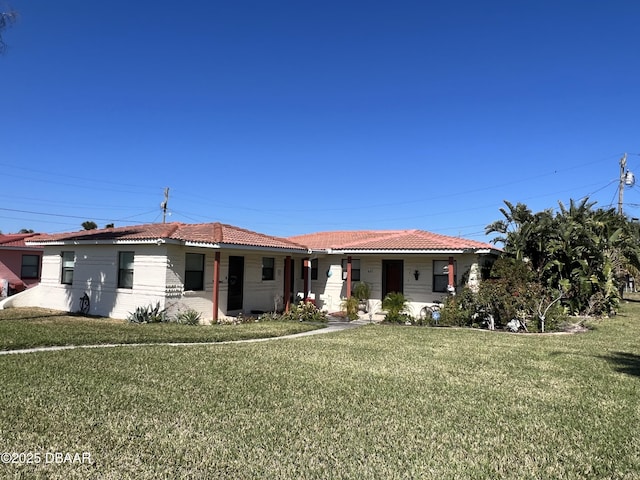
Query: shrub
x=396, y=305
x=458, y=310
x=304, y=312
x=512, y=292
x=148, y=314
x=350, y=306
x=269, y=317
x=188, y=317
x=362, y=291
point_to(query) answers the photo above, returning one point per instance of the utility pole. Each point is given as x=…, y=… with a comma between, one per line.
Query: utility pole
x=626, y=178
x=164, y=204
x=623, y=166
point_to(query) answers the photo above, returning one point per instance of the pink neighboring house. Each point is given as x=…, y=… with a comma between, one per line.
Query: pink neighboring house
x=20, y=265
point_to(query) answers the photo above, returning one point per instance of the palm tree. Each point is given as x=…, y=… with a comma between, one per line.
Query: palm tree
x=581, y=251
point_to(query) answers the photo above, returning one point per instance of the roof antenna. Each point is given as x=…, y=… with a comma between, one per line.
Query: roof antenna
x=164, y=204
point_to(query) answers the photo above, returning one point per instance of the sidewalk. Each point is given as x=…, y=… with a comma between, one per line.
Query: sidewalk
x=332, y=326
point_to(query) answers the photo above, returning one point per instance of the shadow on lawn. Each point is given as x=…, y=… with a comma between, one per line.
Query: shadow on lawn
x=623, y=362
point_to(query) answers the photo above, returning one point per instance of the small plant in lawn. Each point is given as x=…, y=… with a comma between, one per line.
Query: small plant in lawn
x=148, y=314
x=350, y=306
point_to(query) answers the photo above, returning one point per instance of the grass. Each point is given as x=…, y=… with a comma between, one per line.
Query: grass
x=373, y=402
x=35, y=327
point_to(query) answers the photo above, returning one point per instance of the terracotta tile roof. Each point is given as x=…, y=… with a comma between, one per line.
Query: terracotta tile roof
x=387, y=240
x=220, y=233
x=204, y=233
x=228, y=234
x=149, y=231
x=15, y=239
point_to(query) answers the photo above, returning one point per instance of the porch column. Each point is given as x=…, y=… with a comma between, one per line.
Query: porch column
x=287, y=283
x=348, y=277
x=451, y=272
x=306, y=268
x=216, y=286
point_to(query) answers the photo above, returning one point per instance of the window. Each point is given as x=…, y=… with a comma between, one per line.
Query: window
x=68, y=264
x=194, y=272
x=441, y=275
x=30, y=266
x=314, y=269
x=355, y=269
x=268, y=268
x=125, y=269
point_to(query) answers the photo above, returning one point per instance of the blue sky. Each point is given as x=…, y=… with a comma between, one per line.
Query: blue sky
x=290, y=117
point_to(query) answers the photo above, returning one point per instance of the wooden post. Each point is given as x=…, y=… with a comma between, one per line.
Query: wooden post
x=348, y=277
x=451, y=272
x=216, y=286
x=306, y=269
x=287, y=283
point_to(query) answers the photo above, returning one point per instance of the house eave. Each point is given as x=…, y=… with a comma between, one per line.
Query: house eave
x=145, y=241
x=25, y=248
x=385, y=251
x=236, y=246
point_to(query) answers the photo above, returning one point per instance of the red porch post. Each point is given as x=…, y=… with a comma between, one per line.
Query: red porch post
x=451, y=272
x=348, y=277
x=287, y=283
x=306, y=267
x=216, y=286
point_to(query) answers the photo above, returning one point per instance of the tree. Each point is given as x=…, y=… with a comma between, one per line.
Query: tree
x=89, y=225
x=25, y=230
x=6, y=20
x=580, y=253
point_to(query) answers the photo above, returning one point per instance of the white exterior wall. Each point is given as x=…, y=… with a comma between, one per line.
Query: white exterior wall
x=96, y=274
x=258, y=294
x=331, y=289
x=159, y=277
x=177, y=299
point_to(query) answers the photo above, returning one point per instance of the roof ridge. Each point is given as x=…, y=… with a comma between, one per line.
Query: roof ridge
x=264, y=235
x=379, y=235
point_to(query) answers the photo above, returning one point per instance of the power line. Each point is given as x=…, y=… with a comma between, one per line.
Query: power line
x=59, y=215
x=85, y=180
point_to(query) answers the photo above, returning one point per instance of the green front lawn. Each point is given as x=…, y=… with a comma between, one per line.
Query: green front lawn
x=372, y=402
x=36, y=327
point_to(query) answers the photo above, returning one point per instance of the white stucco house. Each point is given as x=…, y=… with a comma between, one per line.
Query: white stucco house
x=222, y=270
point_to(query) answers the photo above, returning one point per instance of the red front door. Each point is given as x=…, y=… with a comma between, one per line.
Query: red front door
x=392, y=276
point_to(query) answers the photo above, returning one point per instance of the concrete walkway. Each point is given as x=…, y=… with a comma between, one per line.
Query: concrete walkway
x=332, y=326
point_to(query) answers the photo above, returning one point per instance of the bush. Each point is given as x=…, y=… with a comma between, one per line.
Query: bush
x=458, y=310
x=304, y=312
x=350, y=306
x=396, y=305
x=362, y=291
x=188, y=317
x=148, y=314
x=269, y=317
x=511, y=292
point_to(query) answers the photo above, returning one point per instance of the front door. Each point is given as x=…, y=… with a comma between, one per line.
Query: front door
x=292, y=278
x=392, y=277
x=236, y=282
